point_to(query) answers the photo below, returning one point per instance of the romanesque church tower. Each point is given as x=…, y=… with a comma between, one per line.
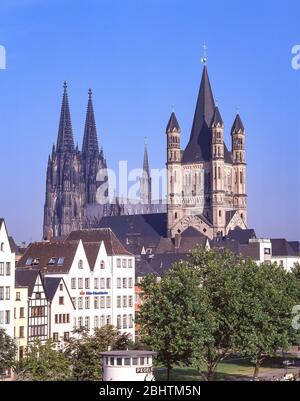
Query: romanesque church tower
x=206, y=182
x=71, y=174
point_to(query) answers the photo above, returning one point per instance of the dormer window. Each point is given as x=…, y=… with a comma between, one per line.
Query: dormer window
x=80, y=264
x=2, y=247
x=61, y=260
x=102, y=264
x=52, y=261
x=35, y=261
x=28, y=262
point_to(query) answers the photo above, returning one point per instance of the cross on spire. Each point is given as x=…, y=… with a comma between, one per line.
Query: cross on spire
x=204, y=58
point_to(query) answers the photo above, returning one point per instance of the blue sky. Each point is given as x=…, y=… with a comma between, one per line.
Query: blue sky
x=141, y=57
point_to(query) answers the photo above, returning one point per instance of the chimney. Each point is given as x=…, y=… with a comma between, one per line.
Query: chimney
x=177, y=240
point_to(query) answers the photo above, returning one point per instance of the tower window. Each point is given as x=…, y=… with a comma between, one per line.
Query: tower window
x=220, y=213
x=175, y=215
x=219, y=172
x=241, y=177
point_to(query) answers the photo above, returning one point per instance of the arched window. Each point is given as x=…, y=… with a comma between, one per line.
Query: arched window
x=241, y=177
x=175, y=215
x=80, y=264
x=102, y=264
x=2, y=247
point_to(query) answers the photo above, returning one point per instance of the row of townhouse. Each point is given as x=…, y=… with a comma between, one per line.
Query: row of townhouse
x=87, y=280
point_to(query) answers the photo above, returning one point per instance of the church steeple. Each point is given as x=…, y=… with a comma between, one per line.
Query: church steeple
x=198, y=148
x=145, y=183
x=146, y=162
x=90, y=140
x=65, y=140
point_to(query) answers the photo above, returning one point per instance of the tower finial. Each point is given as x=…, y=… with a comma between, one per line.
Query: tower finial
x=204, y=58
x=65, y=85
x=145, y=140
x=90, y=93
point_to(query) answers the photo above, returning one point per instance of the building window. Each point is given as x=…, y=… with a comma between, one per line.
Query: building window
x=8, y=268
x=130, y=321
x=80, y=321
x=124, y=263
x=108, y=319
x=61, y=300
x=119, y=361
x=7, y=317
x=118, y=301
x=124, y=321
x=130, y=263
x=134, y=361
x=2, y=247
x=220, y=213
x=80, y=283
x=267, y=251
x=102, y=302
x=66, y=336
x=15, y=316
x=102, y=264
x=61, y=287
x=108, y=283
x=18, y=296
x=22, y=313
x=96, y=322
x=56, y=318
x=80, y=303
x=96, y=283
x=73, y=283
x=102, y=283
x=87, y=322
x=102, y=320
x=118, y=262
x=112, y=361
x=130, y=282
x=60, y=261
x=127, y=361
x=87, y=302
x=21, y=331
x=96, y=303
x=124, y=301
x=118, y=282
x=241, y=177
x=80, y=264
x=119, y=322
x=108, y=302
x=87, y=283
x=1, y=317
x=38, y=295
x=1, y=269
x=21, y=353
x=68, y=318
x=124, y=281
x=55, y=337
x=1, y=293
x=130, y=301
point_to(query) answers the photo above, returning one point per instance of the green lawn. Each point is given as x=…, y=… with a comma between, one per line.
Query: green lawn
x=233, y=368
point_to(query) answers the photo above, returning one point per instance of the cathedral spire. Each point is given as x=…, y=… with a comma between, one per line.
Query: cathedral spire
x=90, y=140
x=65, y=140
x=173, y=124
x=146, y=162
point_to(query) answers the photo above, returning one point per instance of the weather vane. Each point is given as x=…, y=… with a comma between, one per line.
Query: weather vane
x=204, y=59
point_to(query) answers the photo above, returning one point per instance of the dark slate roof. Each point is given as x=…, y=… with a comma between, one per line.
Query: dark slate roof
x=143, y=225
x=50, y=285
x=250, y=250
x=217, y=119
x=65, y=140
x=191, y=232
x=1, y=222
x=90, y=139
x=295, y=246
x=237, y=125
x=226, y=243
x=281, y=247
x=112, y=244
x=13, y=246
x=26, y=278
x=186, y=244
x=242, y=236
x=173, y=124
x=229, y=215
x=91, y=250
x=44, y=251
x=158, y=264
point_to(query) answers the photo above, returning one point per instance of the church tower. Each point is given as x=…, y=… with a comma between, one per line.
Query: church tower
x=63, y=211
x=145, y=183
x=239, y=167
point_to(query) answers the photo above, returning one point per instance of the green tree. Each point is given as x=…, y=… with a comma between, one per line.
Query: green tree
x=270, y=293
x=220, y=276
x=83, y=350
x=43, y=363
x=8, y=351
x=171, y=315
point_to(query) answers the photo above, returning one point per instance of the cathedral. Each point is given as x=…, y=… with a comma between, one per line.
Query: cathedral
x=206, y=182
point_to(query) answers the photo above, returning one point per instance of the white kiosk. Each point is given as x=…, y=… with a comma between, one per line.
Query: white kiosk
x=133, y=365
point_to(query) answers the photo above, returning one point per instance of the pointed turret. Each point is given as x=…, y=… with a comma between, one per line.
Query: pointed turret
x=145, y=184
x=173, y=125
x=198, y=148
x=65, y=140
x=90, y=139
x=217, y=119
x=237, y=125
x=146, y=162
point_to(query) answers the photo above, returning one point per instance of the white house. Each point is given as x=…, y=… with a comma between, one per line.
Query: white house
x=285, y=253
x=99, y=275
x=7, y=281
